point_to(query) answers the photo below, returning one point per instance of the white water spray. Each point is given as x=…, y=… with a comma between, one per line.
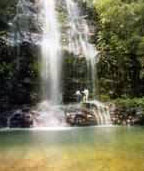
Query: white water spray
x=101, y=112
x=51, y=53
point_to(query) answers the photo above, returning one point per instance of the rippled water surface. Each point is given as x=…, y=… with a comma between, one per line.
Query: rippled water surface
x=76, y=149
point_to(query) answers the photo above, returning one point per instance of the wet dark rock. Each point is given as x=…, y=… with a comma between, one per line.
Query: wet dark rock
x=3, y=122
x=21, y=119
x=80, y=117
x=127, y=116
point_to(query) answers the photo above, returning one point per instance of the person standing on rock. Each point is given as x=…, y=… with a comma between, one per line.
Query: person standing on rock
x=85, y=95
x=78, y=96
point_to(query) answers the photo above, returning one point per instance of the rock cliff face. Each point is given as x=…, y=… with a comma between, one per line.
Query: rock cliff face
x=18, y=85
x=7, y=12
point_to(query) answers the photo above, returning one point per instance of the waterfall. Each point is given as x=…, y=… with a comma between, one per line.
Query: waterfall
x=51, y=61
x=101, y=112
x=37, y=22
x=51, y=53
x=79, y=43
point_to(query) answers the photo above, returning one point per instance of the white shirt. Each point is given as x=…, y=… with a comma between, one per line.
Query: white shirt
x=78, y=92
x=86, y=92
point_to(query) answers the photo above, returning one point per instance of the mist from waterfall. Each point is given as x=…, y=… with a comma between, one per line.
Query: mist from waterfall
x=51, y=53
x=78, y=38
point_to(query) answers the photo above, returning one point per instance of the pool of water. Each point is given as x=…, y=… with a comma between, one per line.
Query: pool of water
x=73, y=149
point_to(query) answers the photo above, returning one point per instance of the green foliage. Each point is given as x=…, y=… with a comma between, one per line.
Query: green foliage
x=104, y=97
x=121, y=43
x=130, y=103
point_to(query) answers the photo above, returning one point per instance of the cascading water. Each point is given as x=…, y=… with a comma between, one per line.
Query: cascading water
x=36, y=22
x=101, y=113
x=49, y=114
x=21, y=26
x=79, y=43
x=24, y=23
x=50, y=67
x=51, y=53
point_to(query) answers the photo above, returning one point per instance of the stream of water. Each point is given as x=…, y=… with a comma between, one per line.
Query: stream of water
x=51, y=53
x=79, y=40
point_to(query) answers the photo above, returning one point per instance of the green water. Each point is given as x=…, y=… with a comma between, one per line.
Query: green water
x=77, y=149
